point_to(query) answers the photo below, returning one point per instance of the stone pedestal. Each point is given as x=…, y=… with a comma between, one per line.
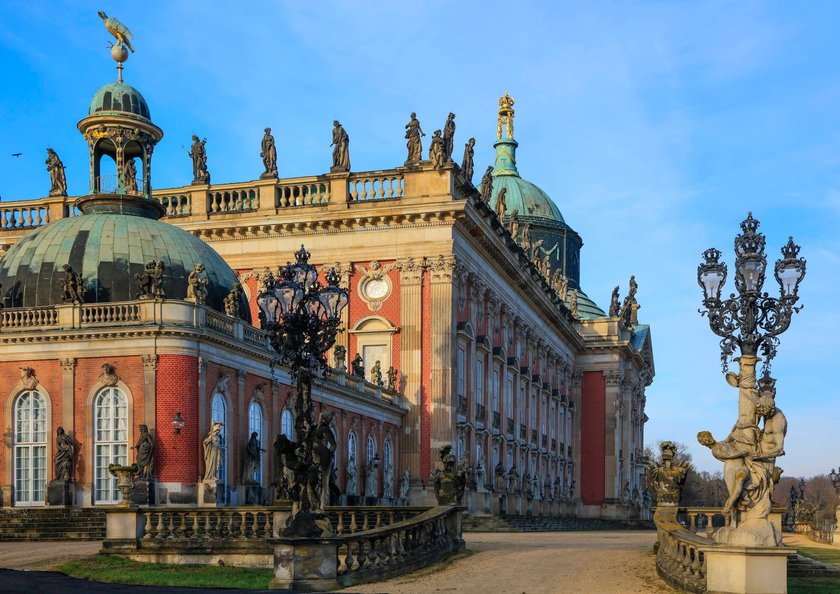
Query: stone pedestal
x=211, y=494
x=60, y=493
x=253, y=494
x=305, y=565
x=144, y=493
x=746, y=570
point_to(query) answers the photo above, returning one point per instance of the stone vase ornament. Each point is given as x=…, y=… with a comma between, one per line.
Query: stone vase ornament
x=125, y=481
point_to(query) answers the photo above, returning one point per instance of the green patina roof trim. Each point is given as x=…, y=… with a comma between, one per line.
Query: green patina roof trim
x=119, y=98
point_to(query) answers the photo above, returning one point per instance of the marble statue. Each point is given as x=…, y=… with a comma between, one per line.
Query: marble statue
x=63, y=459
x=666, y=478
x=388, y=482
x=536, y=488
x=151, y=280
x=480, y=475
x=487, y=185
x=615, y=308
x=462, y=475
x=198, y=154
x=251, y=462
x=341, y=150
x=197, y=284
x=467, y=165
x=547, y=494
x=405, y=485
x=232, y=300
x=145, y=448
x=376, y=374
x=513, y=480
x=351, y=487
x=513, y=224
x=527, y=486
x=72, y=286
x=392, y=375
x=413, y=132
x=268, y=152
x=630, y=307
x=371, y=482
x=573, y=304
x=58, y=181
x=340, y=354
x=213, y=453
x=449, y=137
x=499, y=478
x=749, y=455
x=356, y=366
x=129, y=176
x=323, y=454
x=501, y=204
x=284, y=475
x=448, y=483
x=437, y=151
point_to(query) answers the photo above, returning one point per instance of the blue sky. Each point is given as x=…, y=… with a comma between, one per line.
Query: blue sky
x=655, y=126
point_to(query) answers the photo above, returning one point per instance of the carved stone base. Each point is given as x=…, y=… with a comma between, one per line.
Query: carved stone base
x=746, y=570
x=337, y=169
x=269, y=175
x=144, y=493
x=309, y=525
x=305, y=566
x=201, y=182
x=211, y=494
x=756, y=532
x=61, y=493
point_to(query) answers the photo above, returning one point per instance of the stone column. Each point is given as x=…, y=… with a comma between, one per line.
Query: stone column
x=150, y=362
x=343, y=338
x=574, y=438
x=612, y=399
x=443, y=397
x=411, y=309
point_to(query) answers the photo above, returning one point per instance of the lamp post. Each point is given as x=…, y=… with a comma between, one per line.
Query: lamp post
x=751, y=322
x=303, y=318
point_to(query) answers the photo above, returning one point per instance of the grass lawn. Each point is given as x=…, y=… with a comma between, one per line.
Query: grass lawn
x=813, y=585
x=109, y=568
x=829, y=556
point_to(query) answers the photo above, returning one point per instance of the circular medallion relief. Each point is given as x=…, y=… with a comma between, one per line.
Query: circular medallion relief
x=374, y=291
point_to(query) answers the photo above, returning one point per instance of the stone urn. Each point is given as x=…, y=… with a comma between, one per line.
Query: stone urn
x=124, y=476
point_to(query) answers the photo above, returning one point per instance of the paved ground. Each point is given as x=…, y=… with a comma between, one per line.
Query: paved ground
x=801, y=540
x=509, y=563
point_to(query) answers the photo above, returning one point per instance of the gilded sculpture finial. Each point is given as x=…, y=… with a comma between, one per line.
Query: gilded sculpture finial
x=505, y=115
x=123, y=37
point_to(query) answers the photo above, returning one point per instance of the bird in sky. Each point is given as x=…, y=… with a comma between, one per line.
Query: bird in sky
x=16, y=154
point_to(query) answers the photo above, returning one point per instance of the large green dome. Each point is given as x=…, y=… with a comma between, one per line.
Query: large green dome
x=526, y=198
x=108, y=249
x=120, y=99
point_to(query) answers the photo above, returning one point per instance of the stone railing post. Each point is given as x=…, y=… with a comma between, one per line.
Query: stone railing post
x=124, y=526
x=307, y=565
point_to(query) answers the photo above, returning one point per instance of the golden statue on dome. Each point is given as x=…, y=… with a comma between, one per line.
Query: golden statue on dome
x=122, y=35
x=505, y=115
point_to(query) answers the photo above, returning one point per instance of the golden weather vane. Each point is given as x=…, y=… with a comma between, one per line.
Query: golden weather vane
x=505, y=115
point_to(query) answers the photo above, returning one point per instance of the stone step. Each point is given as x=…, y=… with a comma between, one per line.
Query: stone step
x=52, y=524
x=799, y=566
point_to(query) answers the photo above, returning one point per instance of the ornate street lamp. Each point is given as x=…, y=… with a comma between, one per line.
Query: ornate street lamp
x=178, y=423
x=303, y=318
x=751, y=321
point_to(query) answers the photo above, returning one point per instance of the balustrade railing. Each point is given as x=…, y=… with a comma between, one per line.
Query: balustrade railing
x=111, y=313
x=680, y=560
x=225, y=201
x=351, y=519
x=302, y=194
x=255, y=336
x=23, y=319
x=24, y=217
x=176, y=205
x=163, y=527
x=218, y=322
x=366, y=187
x=398, y=548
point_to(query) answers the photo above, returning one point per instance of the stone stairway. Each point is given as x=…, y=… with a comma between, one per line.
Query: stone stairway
x=52, y=524
x=489, y=523
x=799, y=566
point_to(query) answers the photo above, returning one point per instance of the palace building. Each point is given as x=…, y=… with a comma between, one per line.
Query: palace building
x=472, y=302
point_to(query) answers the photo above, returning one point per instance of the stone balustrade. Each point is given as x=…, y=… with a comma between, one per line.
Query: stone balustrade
x=20, y=216
x=176, y=205
x=28, y=318
x=363, y=187
x=680, y=560
x=291, y=193
x=232, y=200
x=110, y=313
x=162, y=527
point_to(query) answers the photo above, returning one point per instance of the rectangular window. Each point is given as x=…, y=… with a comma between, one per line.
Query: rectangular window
x=509, y=395
x=462, y=367
x=371, y=353
x=495, y=389
x=479, y=380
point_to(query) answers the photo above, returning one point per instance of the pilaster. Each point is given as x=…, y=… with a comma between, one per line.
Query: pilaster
x=411, y=313
x=612, y=401
x=149, y=390
x=68, y=384
x=443, y=397
x=203, y=427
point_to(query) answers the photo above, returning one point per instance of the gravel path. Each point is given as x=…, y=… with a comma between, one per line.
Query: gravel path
x=44, y=554
x=540, y=563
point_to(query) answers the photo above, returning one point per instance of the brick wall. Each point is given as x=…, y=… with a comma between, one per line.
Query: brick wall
x=177, y=390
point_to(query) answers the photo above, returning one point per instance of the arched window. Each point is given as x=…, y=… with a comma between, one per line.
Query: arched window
x=351, y=447
x=219, y=415
x=287, y=424
x=110, y=413
x=30, y=449
x=387, y=455
x=255, y=425
x=371, y=449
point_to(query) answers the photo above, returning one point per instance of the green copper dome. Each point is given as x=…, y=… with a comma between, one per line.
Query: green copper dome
x=108, y=249
x=119, y=98
x=522, y=196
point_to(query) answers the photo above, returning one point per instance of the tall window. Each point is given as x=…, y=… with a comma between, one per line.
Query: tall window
x=495, y=389
x=371, y=449
x=479, y=380
x=30, y=449
x=509, y=395
x=219, y=415
x=110, y=412
x=351, y=447
x=287, y=424
x=387, y=455
x=255, y=425
x=533, y=409
x=462, y=366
